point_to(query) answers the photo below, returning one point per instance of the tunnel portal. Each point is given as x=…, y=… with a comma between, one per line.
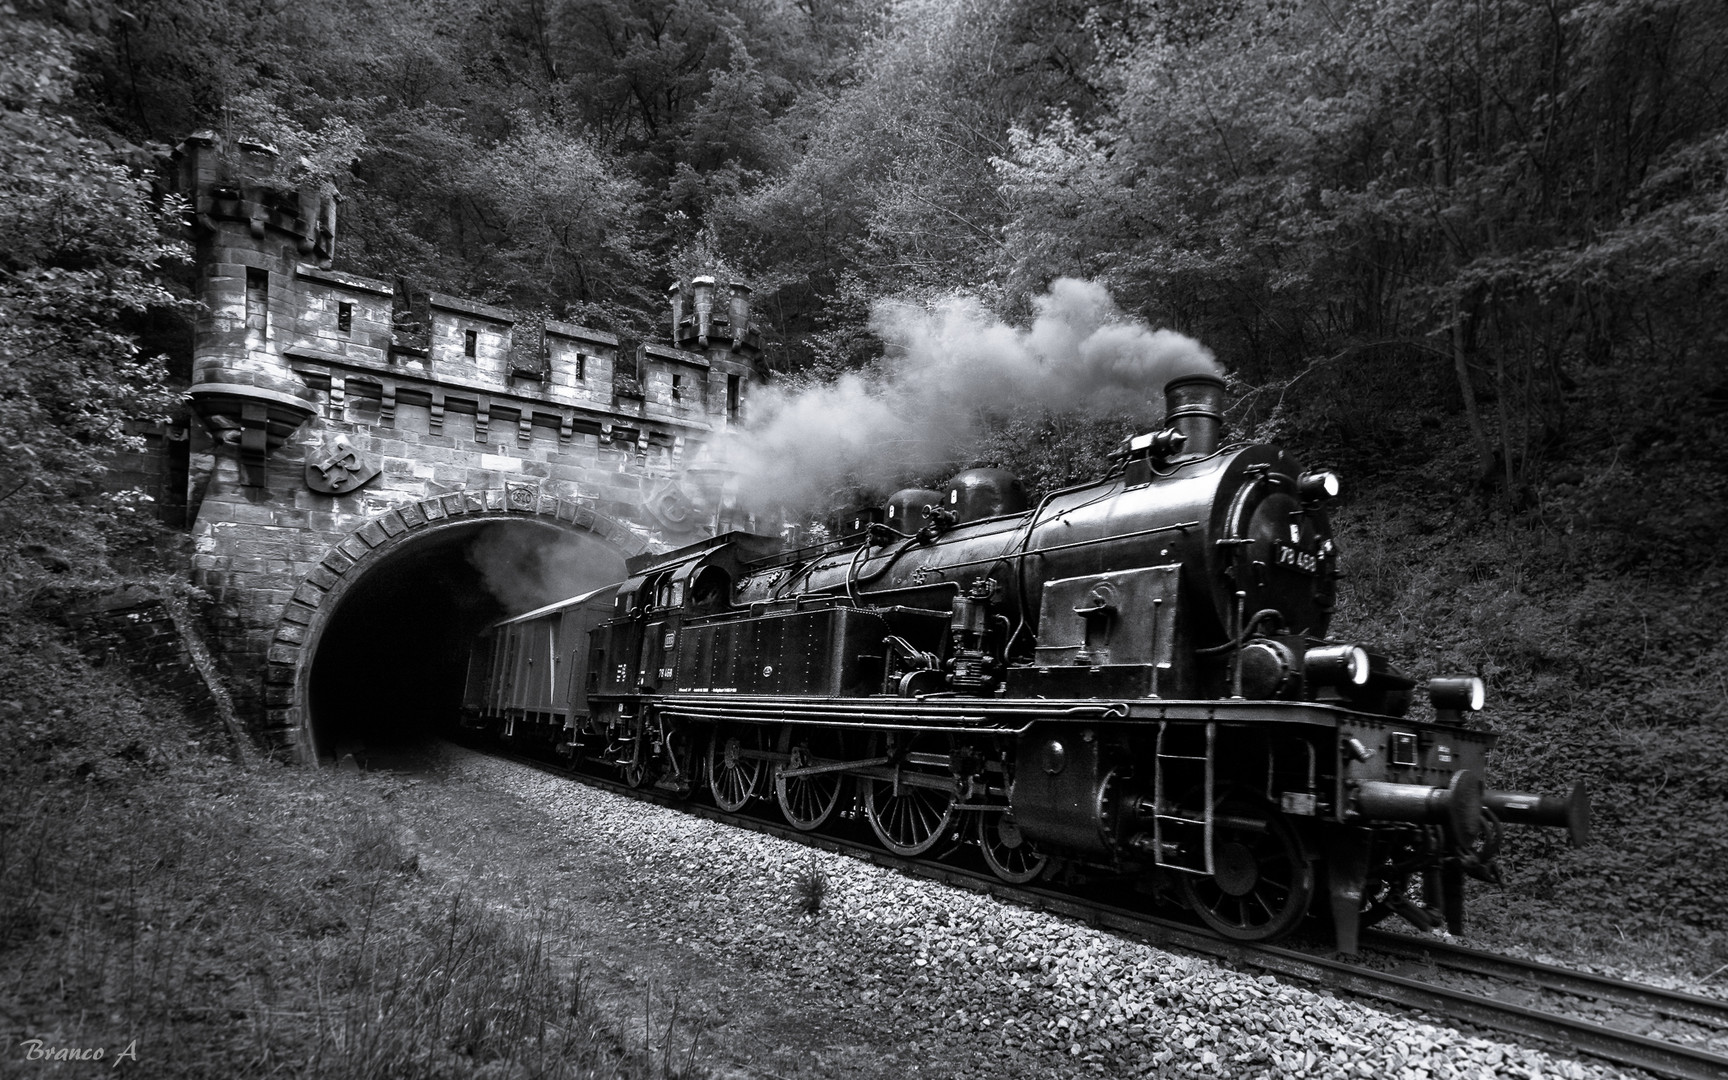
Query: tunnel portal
x=388, y=666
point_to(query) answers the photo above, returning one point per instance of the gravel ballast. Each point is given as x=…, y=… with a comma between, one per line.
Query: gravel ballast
x=694, y=931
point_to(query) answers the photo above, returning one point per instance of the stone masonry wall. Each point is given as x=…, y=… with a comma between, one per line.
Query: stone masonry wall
x=304, y=375
x=151, y=636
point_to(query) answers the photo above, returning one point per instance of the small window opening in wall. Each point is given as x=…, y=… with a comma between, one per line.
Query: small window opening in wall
x=257, y=302
x=470, y=342
x=732, y=397
x=345, y=317
x=581, y=366
x=677, y=386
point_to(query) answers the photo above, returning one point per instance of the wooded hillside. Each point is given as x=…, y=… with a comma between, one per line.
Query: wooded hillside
x=1471, y=252
x=1496, y=201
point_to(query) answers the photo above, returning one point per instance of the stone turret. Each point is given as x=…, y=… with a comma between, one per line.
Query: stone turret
x=251, y=229
x=717, y=321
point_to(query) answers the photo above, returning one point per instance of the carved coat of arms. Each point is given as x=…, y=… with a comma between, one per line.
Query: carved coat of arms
x=673, y=509
x=339, y=468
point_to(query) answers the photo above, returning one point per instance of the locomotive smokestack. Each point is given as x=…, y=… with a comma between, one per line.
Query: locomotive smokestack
x=1194, y=405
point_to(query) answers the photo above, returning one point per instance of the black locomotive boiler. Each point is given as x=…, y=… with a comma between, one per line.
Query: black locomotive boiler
x=1128, y=682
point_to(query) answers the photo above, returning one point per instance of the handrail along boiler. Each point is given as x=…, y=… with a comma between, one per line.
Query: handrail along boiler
x=1130, y=681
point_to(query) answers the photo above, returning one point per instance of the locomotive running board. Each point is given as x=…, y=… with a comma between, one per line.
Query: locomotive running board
x=890, y=714
x=977, y=726
x=993, y=716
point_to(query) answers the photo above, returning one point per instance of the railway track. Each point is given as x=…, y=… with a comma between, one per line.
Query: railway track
x=1461, y=984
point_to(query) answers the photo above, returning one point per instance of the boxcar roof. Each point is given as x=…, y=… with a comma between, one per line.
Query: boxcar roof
x=556, y=606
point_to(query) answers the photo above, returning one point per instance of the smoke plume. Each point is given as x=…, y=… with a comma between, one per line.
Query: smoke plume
x=527, y=568
x=944, y=372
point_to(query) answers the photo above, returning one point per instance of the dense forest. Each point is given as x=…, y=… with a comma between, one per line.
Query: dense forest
x=1472, y=252
x=1494, y=202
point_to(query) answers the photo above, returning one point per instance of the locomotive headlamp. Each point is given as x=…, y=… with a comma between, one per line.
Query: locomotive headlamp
x=1336, y=665
x=1317, y=487
x=1457, y=693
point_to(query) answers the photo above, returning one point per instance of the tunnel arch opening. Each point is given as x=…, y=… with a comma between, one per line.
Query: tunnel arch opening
x=384, y=658
x=388, y=669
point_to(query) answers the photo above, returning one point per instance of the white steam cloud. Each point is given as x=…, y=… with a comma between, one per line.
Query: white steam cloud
x=527, y=568
x=945, y=370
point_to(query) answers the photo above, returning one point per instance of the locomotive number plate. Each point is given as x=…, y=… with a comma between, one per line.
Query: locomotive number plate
x=1296, y=559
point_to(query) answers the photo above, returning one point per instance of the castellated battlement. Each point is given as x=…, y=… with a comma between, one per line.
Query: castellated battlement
x=339, y=417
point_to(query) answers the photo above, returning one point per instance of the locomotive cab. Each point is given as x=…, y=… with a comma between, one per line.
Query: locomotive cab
x=653, y=604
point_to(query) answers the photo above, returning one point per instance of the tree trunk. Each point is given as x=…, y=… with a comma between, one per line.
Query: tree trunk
x=1461, y=366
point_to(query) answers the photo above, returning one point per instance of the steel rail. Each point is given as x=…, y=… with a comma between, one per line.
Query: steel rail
x=1677, y=1060
x=1677, y=1004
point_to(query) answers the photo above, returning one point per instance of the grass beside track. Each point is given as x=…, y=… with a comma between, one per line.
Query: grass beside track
x=190, y=918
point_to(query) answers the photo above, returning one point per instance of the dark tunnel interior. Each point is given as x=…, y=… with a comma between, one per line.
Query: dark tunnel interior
x=388, y=671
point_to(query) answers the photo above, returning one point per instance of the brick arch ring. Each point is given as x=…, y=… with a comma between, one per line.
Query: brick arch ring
x=287, y=666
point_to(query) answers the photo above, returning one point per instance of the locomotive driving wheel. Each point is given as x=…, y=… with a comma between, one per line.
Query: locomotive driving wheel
x=1261, y=882
x=735, y=765
x=908, y=820
x=1007, y=852
x=809, y=801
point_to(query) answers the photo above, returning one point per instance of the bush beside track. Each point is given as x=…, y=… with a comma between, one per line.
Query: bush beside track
x=1597, y=613
x=240, y=923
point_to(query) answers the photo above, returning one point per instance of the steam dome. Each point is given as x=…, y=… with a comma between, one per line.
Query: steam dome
x=977, y=494
x=906, y=508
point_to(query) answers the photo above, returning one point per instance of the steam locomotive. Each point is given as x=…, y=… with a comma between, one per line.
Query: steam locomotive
x=1129, y=682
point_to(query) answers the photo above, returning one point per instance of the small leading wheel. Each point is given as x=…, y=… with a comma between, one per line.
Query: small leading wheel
x=734, y=765
x=1261, y=882
x=911, y=821
x=809, y=801
x=1008, y=854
